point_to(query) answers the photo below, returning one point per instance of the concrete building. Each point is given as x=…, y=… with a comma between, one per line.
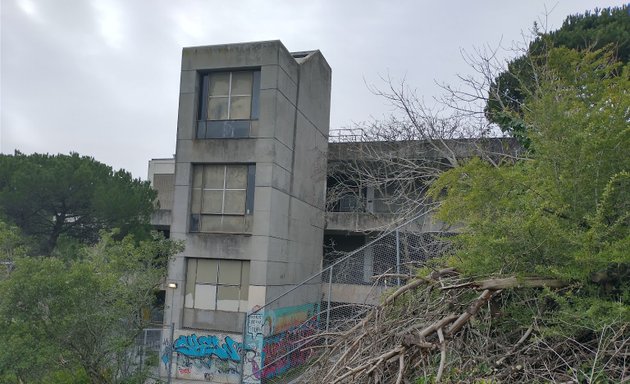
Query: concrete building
x=245, y=193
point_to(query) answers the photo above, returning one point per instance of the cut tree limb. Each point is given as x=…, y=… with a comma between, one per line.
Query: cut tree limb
x=513, y=282
x=438, y=378
x=474, y=308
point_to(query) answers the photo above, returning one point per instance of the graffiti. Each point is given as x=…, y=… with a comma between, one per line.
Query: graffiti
x=252, y=361
x=285, y=351
x=283, y=319
x=194, y=346
x=203, y=357
x=286, y=348
x=255, y=324
x=273, y=344
x=168, y=351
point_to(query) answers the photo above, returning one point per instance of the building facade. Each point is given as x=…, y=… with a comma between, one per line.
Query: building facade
x=263, y=202
x=245, y=193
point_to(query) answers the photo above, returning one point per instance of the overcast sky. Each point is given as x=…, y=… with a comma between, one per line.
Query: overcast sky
x=101, y=77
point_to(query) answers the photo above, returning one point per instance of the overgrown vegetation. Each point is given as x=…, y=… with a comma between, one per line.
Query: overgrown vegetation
x=444, y=327
x=78, y=269
x=509, y=90
x=538, y=282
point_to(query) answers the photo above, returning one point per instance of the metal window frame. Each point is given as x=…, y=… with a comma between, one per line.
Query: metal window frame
x=249, y=193
x=216, y=283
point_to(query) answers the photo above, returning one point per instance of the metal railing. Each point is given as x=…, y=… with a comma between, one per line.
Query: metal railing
x=281, y=337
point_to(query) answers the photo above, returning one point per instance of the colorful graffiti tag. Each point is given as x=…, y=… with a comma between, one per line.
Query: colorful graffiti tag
x=194, y=346
x=285, y=347
x=213, y=358
x=252, y=372
x=274, y=343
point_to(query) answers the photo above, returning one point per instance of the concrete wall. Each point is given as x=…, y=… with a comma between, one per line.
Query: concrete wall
x=288, y=145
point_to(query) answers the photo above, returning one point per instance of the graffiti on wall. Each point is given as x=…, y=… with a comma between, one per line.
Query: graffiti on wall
x=213, y=358
x=274, y=343
x=252, y=362
x=194, y=346
x=286, y=330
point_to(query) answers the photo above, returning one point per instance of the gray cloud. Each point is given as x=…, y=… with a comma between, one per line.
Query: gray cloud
x=101, y=77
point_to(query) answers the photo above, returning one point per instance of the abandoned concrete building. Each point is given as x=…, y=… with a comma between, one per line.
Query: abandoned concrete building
x=246, y=191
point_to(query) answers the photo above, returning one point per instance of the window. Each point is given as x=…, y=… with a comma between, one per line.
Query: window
x=229, y=103
x=217, y=284
x=222, y=197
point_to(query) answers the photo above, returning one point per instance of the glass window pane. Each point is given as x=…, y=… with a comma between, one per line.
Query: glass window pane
x=230, y=272
x=207, y=271
x=241, y=83
x=228, y=305
x=234, y=203
x=255, y=95
x=191, y=273
x=234, y=224
x=240, y=128
x=218, y=108
x=213, y=176
x=194, y=222
x=245, y=280
x=236, y=176
x=201, y=129
x=217, y=129
x=212, y=202
x=210, y=223
x=205, y=296
x=219, y=84
x=197, y=176
x=251, y=182
x=195, y=203
x=228, y=293
x=240, y=107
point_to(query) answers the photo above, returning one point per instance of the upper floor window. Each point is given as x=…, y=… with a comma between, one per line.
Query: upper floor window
x=229, y=103
x=222, y=198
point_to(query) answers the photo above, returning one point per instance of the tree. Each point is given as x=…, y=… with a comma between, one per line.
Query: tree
x=52, y=196
x=592, y=30
x=397, y=159
x=561, y=212
x=536, y=286
x=77, y=319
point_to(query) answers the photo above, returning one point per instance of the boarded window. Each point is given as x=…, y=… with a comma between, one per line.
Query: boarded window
x=217, y=284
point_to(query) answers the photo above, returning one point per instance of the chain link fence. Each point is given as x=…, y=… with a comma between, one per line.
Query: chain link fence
x=281, y=338
x=147, y=353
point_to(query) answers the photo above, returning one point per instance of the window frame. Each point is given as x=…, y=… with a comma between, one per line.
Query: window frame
x=196, y=217
x=198, y=285
x=227, y=128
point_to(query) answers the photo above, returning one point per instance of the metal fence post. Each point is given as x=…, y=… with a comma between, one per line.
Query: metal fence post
x=243, y=352
x=329, y=293
x=170, y=360
x=144, y=347
x=398, y=257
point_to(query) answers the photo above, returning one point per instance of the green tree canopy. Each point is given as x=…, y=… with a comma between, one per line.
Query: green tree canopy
x=77, y=319
x=588, y=31
x=565, y=210
x=50, y=196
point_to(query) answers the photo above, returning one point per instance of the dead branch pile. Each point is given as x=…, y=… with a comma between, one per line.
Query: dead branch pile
x=443, y=328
